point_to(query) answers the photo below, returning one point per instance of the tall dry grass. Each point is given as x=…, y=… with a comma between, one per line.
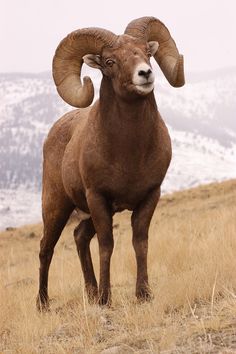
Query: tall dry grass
x=192, y=262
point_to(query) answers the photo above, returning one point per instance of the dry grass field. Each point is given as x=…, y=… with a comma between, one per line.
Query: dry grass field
x=192, y=271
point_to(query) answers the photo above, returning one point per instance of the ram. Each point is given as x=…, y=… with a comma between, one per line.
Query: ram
x=111, y=156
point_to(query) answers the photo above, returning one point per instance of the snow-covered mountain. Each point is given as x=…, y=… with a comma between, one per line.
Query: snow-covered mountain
x=206, y=106
x=202, y=121
x=200, y=117
x=28, y=106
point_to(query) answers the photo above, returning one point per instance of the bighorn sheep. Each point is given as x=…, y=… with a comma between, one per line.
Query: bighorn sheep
x=111, y=156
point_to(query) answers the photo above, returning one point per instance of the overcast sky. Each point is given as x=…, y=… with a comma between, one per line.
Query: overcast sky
x=30, y=30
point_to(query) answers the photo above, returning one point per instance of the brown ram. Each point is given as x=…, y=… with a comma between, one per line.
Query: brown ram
x=109, y=157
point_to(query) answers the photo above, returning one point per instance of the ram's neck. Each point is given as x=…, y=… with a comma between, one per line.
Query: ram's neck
x=126, y=127
x=116, y=110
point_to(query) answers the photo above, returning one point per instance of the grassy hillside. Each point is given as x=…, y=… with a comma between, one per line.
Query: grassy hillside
x=192, y=267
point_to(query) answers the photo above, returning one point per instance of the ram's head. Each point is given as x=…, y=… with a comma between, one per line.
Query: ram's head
x=124, y=59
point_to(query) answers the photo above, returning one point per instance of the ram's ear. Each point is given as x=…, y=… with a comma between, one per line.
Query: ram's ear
x=153, y=47
x=93, y=60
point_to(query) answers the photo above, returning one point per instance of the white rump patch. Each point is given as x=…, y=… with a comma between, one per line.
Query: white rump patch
x=82, y=215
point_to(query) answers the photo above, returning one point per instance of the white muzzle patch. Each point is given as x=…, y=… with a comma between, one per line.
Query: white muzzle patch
x=143, y=78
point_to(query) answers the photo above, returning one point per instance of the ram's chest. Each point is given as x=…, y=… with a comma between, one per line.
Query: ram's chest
x=126, y=167
x=126, y=183
x=130, y=190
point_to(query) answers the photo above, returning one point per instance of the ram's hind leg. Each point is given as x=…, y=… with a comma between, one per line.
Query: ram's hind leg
x=83, y=234
x=56, y=212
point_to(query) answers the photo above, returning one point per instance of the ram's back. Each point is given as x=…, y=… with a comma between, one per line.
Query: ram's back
x=56, y=142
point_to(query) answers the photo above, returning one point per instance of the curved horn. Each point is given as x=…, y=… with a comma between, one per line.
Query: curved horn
x=68, y=60
x=167, y=56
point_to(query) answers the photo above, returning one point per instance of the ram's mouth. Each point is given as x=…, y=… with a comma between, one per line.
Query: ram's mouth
x=146, y=84
x=145, y=87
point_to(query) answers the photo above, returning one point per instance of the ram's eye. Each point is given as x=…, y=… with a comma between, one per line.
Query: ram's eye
x=109, y=62
x=149, y=54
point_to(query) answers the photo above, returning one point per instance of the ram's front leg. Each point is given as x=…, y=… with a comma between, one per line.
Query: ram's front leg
x=141, y=219
x=102, y=220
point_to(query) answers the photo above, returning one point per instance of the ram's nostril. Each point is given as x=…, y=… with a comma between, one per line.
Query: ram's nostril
x=142, y=72
x=145, y=73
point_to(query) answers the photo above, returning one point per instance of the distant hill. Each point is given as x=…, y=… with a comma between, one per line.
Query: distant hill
x=200, y=117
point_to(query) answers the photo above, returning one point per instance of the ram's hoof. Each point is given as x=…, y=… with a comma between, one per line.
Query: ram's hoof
x=144, y=294
x=42, y=305
x=92, y=293
x=105, y=299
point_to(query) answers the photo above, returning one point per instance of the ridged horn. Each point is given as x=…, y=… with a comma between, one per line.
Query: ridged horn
x=68, y=61
x=167, y=56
